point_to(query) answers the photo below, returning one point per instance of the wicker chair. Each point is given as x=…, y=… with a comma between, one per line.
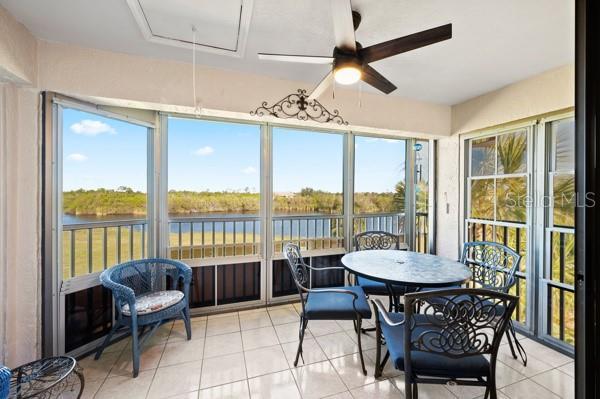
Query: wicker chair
x=4, y=382
x=147, y=293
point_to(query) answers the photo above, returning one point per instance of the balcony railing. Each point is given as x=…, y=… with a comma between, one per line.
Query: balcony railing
x=311, y=232
x=421, y=232
x=92, y=247
x=514, y=236
x=212, y=237
x=561, y=284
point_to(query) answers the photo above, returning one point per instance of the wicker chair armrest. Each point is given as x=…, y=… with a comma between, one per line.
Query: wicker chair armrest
x=185, y=271
x=121, y=292
x=384, y=314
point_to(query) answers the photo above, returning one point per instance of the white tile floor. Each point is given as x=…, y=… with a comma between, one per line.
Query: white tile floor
x=250, y=354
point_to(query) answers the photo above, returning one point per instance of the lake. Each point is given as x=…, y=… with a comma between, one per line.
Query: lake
x=311, y=227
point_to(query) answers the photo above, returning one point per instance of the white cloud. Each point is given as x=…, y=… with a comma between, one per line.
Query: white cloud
x=77, y=157
x=380, y=139
x=249, y=170
x=89, y=127
x=204, y=151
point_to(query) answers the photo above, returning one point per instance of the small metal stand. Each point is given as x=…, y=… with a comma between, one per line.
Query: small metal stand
x=47, y=378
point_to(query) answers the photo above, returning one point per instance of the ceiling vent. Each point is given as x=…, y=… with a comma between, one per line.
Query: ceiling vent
x=221, y=26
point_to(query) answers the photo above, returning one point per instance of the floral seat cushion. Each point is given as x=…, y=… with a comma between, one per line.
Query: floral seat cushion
x=154, y=301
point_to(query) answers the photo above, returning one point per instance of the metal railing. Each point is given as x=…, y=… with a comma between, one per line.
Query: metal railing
x=514, y=236
x=560, y=280
x=211, y=237
x=94, y=246
x=310, y=232
x=421, y=232
x=390, y=222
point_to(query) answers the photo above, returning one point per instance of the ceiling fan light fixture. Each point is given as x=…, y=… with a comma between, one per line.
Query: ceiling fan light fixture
x=347, y=75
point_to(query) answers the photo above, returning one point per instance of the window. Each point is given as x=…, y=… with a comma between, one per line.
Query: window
x=104, y=200
x=214, y=189
x=104, y=192
x=559, y=272
x=498, y=195
x=214, y=207
x=379, y=184
x=308, y=185
x=422, y=154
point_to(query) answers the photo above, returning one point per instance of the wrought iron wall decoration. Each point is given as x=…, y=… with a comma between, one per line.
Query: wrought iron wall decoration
x=297, y=105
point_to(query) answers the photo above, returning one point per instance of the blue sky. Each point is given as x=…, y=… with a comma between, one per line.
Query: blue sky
x=216, y=156
x=102, y=153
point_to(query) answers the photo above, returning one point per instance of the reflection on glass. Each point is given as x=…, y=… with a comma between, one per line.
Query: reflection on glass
x=307, y=172
x=482, y=199
x=379, y=175
x=512, y=152
x=483, y=154
x=511, y=199
x=563, y=132
x=564, y=200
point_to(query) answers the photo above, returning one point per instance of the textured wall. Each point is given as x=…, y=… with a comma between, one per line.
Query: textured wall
x=22, y=226
x=88, y=72
x=448, y=204
x=549, y=91
x=18, y=55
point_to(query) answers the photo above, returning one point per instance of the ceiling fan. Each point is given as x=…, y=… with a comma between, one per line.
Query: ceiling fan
x=350, y=61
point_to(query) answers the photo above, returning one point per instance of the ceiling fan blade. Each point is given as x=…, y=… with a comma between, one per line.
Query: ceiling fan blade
x=343, y=26
x=306, y=59
x=375, y=79
x=406, y=43
x=321, y=87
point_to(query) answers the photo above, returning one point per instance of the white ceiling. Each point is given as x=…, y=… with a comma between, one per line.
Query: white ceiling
x=495, y=42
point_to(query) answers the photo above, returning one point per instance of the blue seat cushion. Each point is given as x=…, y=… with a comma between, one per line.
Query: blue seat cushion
x=427, y=363
x=372, y=287
x=337, y=306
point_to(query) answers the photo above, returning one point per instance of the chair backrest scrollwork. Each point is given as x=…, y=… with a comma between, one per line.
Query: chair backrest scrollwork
x=494, y=265
x=464, y=322
x=370, y=240
x=298, y=268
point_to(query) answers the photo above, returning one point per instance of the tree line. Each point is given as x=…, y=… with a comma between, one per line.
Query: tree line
x=125, y=201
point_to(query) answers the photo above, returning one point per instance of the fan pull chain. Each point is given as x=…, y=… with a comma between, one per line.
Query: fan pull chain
x=333, y=89
x=360, y=94
x=195, y=102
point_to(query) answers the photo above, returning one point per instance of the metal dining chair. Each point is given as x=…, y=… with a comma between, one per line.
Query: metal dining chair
x=372, y=240
x=343, y=303
x=493, y=267
x=449, y=341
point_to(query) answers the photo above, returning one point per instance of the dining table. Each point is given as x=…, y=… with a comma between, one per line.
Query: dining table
x=413, y=270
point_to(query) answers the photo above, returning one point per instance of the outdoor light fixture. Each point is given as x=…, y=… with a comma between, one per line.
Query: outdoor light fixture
x=347, y=75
